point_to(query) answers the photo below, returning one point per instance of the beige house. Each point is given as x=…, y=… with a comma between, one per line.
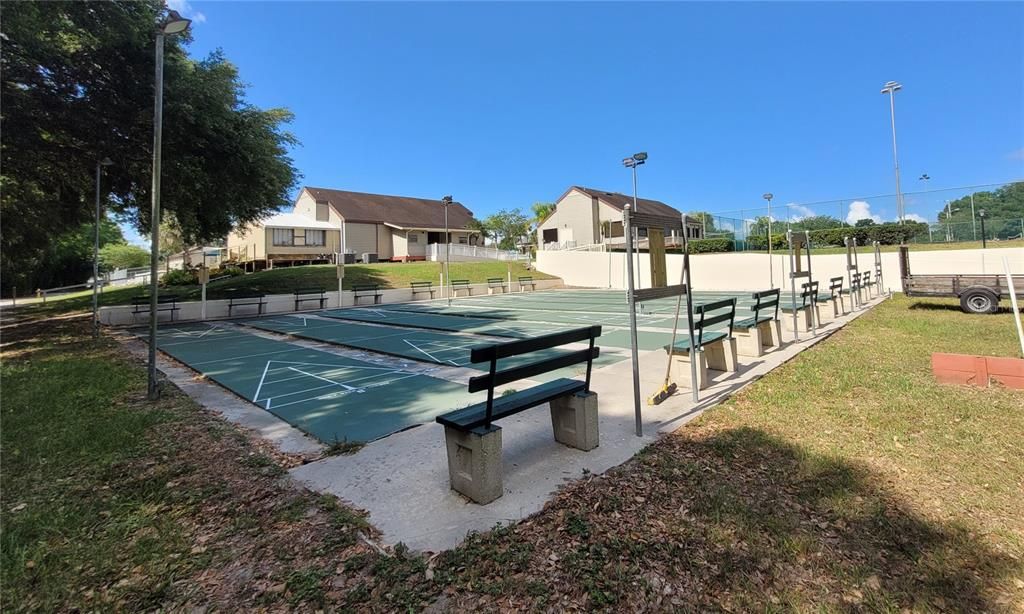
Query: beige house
x=375, y=226
x=586, y=216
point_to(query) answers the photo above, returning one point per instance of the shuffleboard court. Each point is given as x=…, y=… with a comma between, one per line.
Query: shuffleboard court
x=333, y=398
x=434, y=321
x=550, y=314
x=438, y=347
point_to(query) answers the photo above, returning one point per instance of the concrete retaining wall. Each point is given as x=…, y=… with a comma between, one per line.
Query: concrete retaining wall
x=121, y=315
x=745, y=271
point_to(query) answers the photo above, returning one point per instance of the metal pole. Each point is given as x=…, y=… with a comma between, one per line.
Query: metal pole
x=627, y=227
x=895, y=157
x=984, y=244
x=447, y=255
x=771, y=268
x=96, y=262
x=974, y=228
x=154, y=256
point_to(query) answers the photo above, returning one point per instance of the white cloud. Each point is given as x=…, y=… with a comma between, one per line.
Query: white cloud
x=185, y=8
x=799, y=212
x=913, y=217
x=859, y=210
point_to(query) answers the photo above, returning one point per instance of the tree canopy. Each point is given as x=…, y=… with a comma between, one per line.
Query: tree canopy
x=508, y=226
x=1004, y=209
x=78, y=86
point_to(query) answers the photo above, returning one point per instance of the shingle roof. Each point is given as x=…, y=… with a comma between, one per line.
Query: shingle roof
x=403, y=211
x=644, y=205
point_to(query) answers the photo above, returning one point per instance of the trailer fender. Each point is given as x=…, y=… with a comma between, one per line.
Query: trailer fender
x=978, y=299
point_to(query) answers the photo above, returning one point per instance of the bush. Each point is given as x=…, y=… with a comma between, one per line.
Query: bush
x=709, y=246
x=179, y=277
x=760, y=242
x=226, y=271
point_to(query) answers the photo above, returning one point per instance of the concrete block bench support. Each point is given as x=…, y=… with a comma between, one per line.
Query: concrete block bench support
x=761, y=330
x=473, y=441
x=805, y=310
x=714, y=349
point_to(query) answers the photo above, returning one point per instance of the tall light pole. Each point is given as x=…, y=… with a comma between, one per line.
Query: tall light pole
x=96, y=254
x=891, y=87
x=632, y=162
x=771, y=269
x=174, y=23
x=447, y=201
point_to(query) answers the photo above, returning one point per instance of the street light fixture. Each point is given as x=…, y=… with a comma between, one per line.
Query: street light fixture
x=96, y=254
x=771, y=273
x=981, y=216
x=627, y=211
x=891, y=87
x=446, y=201
x=173, y=24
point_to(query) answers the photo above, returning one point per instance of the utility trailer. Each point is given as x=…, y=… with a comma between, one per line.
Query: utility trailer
x=977, y=293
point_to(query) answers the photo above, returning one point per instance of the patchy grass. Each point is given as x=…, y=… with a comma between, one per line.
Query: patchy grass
x=846, y=480
x=344, y=447
x=288, y=279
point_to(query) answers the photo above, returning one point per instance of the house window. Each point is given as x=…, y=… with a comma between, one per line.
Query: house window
x=463, y=240
x=414, y=237
x=322, y=213
x=316, y=237
x=284, y=237
x=550, y=235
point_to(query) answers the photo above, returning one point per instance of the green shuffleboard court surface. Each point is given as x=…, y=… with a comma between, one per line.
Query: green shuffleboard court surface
x=333, y=398
x=439, y=347
x=434, y=321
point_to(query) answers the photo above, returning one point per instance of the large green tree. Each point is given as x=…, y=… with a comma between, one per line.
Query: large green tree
x=77, y=86
x=508, y=226
x=1004, y=210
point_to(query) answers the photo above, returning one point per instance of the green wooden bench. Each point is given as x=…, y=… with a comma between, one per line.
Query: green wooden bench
x=460, y=284
x=318, y=294
x=527, y=281
x=246, y=298
x=495, y=283
x=761, y=329
x=716, y=349
x=803, y=309
x=472, y=439
x=366, y=290
x=422, y=287
x=164, y=302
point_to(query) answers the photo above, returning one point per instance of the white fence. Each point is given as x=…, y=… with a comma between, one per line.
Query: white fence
x=749, y=271
x=460, y=253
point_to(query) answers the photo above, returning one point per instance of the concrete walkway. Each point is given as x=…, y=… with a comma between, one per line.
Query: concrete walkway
x=402, y=480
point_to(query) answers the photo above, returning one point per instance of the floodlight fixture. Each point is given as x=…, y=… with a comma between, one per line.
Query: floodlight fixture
x=890, y=87
x=174, y=23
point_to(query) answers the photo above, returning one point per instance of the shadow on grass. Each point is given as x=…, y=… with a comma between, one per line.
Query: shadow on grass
x=926, y=306
x=738, y=519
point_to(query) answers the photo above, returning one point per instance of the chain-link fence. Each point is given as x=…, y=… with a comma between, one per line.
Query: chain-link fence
x=937, y=216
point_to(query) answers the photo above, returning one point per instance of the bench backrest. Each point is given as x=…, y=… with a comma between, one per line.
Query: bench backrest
x=865, y=278
x=301, y=291
x=421, y=284
x=525, y=280
x=495, y=280
x=765, y=300
x=494, y=352
x=703, y=320
x=855, y=281
x=835, y=285
x=809, y=292
x=366, y=287
x=240, y=294
x=161, y=299
x=459, y=282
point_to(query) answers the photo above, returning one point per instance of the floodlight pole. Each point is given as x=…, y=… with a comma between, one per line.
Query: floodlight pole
x=632, y=162
x=173, y=24
x=447, y=200
x=96, y=254
x=984, y=243
x=771, y=273
x=890, y=88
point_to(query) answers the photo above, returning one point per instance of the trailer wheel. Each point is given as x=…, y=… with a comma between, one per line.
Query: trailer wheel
x=979, y=300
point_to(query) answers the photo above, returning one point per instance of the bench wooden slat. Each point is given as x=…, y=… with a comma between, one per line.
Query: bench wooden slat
x=500, y=378
x=707, y=337
x=475, y=416
x=748, y=323
x=503, y=350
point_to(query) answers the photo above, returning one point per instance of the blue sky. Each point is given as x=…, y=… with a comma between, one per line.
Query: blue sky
x=505, y=104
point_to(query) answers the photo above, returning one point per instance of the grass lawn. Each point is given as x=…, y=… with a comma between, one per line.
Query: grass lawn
x=285, y=280
x=845, y=480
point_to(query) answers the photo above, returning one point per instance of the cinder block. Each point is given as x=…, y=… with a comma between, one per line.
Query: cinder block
x=681, y=370
x=826, y=311
x=574, y=420
x=749, y=342
x=721, y=355
x=803, y=320
x=474, y=462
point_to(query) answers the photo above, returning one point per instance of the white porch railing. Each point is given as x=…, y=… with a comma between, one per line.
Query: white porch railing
x=436, y=252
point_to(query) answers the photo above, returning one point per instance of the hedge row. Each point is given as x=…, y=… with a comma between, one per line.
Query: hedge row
x=886, y=234
x=707, y=246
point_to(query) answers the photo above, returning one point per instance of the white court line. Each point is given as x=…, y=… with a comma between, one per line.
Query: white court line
x=206, y=362
x=262, y=377
x=432, y=357
x=324, y=379
x=343, y=393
